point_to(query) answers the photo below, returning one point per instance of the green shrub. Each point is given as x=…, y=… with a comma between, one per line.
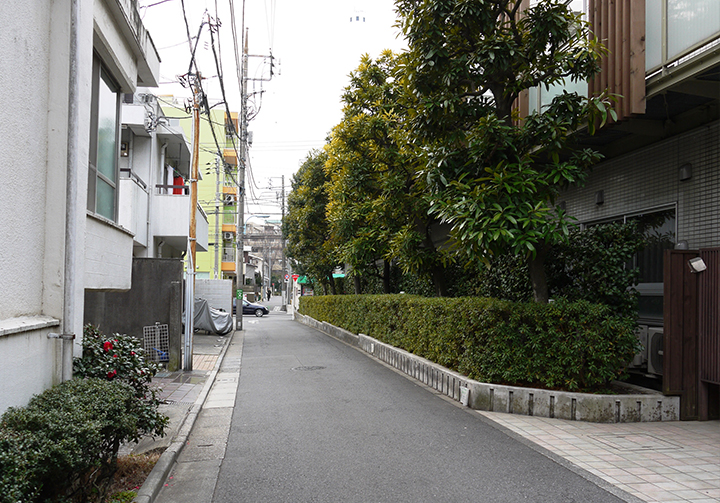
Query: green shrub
x=122, y=358
x=562, y=345
x=64, y=443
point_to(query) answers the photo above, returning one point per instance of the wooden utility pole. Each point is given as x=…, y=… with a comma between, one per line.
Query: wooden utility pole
x=194, y=171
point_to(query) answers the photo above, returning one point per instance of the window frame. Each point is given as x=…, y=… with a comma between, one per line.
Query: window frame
x=101, y=76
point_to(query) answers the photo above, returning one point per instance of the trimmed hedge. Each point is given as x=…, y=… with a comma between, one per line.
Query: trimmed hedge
x=63, y=445
x=573, y=346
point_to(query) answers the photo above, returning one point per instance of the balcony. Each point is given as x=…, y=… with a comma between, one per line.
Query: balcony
x=171, y=219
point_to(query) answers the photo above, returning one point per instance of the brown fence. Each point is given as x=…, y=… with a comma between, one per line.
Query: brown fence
x=691, y=349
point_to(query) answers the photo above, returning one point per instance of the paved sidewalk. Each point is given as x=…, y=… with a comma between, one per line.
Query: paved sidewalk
x=676, y=461
x=664, y=462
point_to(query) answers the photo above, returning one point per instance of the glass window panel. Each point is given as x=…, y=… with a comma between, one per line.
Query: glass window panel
x=547, y=95
x=659, y=229
x=532, y=99
x=690, y=22
x=107, y=129
x=653, y=34
x=105, y=202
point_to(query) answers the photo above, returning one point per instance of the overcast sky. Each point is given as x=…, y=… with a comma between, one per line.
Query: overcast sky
x=315, y=45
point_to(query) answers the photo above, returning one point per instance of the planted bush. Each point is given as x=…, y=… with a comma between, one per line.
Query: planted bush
x=575, y=346
x=63, y=445
x=122, y=358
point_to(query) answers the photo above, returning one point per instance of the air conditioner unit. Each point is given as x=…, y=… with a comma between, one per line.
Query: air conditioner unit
x=640, y=360
x=228, y=235
x=229, y=199
x=655, y=351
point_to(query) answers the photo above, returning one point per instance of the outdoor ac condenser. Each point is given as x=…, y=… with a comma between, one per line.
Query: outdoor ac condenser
x=227, y=235
x=655, y=351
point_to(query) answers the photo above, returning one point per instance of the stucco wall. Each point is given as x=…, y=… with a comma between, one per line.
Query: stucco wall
x=108, y=256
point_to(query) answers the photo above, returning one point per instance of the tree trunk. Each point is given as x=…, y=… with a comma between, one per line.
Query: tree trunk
x=386, y=277
x=332, y=285
x=536, y=267
x=356, y=282
x=438, y=278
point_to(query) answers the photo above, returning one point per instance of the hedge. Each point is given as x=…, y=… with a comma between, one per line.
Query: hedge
x=572, y=346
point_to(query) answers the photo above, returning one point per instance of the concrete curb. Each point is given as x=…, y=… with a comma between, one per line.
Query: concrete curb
x=155, y=480
x=640, y=407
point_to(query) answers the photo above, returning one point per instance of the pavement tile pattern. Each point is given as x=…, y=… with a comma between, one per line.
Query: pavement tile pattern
x=664, y=462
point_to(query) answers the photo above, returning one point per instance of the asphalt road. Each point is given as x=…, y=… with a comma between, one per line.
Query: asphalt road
x=317, y=421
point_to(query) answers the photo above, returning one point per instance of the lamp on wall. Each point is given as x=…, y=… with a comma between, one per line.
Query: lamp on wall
x=599, y=197
x=696, y=265
x=685, y=172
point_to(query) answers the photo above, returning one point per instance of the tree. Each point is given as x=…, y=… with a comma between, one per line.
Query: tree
x=305, y=225
x=495, y=177
x=378, y=209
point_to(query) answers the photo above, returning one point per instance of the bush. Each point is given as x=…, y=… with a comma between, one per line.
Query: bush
x=122, y=358
x=63, y=446
x=562, y=345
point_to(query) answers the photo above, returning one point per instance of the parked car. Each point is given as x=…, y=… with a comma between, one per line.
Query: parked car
x=256, y=309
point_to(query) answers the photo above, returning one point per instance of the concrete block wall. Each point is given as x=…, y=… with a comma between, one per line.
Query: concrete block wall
x=217, y=292
x=649, y=179
x=640, y=407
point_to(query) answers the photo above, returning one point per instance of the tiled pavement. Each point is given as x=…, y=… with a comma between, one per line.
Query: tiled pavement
x=185, y=387
x=665, y=462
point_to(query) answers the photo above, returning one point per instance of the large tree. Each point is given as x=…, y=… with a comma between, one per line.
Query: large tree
x=495, y=176
x=378, y=208
x=305, y=225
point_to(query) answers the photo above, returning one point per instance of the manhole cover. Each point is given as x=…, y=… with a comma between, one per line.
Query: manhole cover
x=308, y=368
x=635, y=442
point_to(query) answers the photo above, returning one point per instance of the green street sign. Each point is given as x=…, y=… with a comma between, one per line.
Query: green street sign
x=239, y=294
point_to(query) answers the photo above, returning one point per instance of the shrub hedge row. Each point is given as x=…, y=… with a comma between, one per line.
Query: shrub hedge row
x=574, y=346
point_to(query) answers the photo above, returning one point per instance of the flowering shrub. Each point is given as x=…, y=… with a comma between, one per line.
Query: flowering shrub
x=121, y=358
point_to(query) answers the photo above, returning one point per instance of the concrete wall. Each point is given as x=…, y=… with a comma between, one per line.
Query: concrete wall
x=218, y=292
x=155, y=297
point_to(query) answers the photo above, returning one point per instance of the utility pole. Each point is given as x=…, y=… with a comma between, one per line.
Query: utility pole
x=240, y=256
x=218, y=241
x=283, y=282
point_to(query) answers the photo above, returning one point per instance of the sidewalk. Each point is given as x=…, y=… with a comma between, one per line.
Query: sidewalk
x=653, y=462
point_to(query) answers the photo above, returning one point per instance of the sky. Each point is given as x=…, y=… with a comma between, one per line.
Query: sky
x=315, y=44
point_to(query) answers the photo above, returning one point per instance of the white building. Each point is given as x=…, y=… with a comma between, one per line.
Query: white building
x=66, y=65
x=155, y=165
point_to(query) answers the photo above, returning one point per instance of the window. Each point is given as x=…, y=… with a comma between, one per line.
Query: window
x=658, y=227
x=102, y=165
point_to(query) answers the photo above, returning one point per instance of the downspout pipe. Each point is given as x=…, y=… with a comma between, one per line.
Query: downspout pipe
x=71, y=197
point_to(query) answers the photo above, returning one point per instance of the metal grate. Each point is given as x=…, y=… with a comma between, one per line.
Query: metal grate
x=156, y=343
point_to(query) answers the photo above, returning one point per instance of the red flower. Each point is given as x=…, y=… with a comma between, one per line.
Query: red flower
x=114, y=356
x=107, y=346
x=112, y=374
x=132, y=353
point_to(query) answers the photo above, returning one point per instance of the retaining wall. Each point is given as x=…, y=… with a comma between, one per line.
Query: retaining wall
x=640, y=407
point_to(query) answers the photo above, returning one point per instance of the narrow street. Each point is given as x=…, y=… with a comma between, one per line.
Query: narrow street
x=315, y=420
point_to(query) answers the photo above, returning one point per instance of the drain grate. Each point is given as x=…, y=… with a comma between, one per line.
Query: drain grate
x=308, y=368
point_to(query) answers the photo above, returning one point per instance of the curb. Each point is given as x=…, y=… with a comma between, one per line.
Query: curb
x=574, y=406
x=155, y=480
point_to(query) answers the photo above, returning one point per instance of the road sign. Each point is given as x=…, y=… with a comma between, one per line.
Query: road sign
x=287, y=277
x=295, y=277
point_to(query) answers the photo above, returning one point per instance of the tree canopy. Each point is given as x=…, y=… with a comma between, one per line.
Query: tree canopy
x=495, y=176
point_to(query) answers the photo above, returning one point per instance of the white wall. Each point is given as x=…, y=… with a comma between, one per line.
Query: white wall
x=108, y=255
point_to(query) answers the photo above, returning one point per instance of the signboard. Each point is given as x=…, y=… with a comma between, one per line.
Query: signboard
x=239, y=294
x=287, y=277
x=295, y=277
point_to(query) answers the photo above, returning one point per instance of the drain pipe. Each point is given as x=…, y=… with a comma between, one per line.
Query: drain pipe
x=71, y=197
